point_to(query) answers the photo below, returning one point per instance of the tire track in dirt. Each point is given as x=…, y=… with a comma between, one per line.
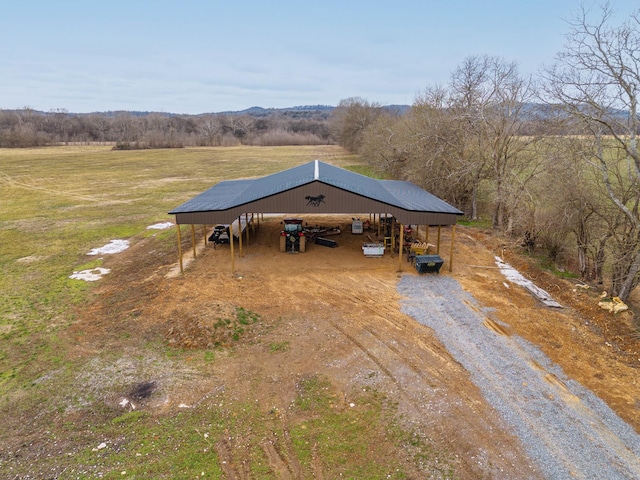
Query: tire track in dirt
x=233, y=470
x=364, y=301
x=380, y=328
x=278, y=465
x=8, y=180
x=379, y=314
x=281, y=455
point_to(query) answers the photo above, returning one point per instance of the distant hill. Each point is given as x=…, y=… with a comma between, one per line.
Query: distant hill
x=260, y=111
x=299, y=111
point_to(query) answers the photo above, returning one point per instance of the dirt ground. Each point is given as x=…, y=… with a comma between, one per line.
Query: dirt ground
x=338, y=313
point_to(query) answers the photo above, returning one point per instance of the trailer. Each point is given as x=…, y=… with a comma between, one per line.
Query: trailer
x=373, y=249
x=428, y=263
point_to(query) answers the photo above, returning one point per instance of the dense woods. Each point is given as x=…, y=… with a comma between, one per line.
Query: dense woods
x=550, y=162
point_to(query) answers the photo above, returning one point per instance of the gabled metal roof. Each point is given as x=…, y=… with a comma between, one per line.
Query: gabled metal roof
x=231, y=194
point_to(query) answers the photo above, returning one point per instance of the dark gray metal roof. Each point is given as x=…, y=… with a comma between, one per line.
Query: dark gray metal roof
x=234, y=193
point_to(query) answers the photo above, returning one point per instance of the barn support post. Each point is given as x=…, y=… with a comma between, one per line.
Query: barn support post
x=453, y=236
x=438, y=247
x=393, y=232
x=180, y=248
x=246, y=226
x=204, y=234
x=426, y=234
x=193, y=239
x=240, y=235
x=401, y=247
x=379, y=222
x=233, y=258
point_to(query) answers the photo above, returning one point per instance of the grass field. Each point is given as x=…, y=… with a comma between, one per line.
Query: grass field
x=59, y=203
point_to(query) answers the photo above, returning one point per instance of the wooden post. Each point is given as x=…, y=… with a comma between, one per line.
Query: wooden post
x=379, y=222
x=193, y=239
x=240, y=234
x=453, y=236
x=393, y=233
x=400, y=247
x=180, y=248
x=204, y=234
x=438, y=247
x=426, y=234
x=246, y=222
x=233, y=258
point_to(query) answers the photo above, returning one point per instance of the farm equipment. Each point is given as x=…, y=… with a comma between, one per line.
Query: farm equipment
x=428, y=263
x=373, y=249
x=295, y=236
x=220, y=235
x=292, y=237
x=356, y=226
x=313, y=235
x=326, y=242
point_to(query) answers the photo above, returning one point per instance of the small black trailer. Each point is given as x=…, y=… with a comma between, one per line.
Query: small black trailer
x=428, y=263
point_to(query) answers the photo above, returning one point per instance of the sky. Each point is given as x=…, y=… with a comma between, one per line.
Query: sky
x=199, y=56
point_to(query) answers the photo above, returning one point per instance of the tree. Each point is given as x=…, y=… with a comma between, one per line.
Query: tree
x=350, y=120
x=595, y=81
x=489, y=97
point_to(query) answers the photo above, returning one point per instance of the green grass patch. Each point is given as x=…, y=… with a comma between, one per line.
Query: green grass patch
x=278, y=346
x=365, y=170
x=482, y=224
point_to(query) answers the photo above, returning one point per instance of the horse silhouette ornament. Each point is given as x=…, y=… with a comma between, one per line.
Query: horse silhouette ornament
x=314, y=201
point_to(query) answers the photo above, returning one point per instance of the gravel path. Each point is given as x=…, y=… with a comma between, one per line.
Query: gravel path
x=564, y=427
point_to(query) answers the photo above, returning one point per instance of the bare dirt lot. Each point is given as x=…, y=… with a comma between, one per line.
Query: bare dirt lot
x=339, y=315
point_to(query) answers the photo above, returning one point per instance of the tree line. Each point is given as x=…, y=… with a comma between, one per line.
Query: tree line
x=550, y=161
x=27, y=127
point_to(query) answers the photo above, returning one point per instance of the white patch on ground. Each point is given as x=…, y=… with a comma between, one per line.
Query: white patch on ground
x=91, y=275
x=114, y=246
x=160, y=226
x=516, y=277
x=30, y=259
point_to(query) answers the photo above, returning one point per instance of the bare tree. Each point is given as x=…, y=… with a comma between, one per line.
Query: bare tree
x=350, y=119
x=596, y=81
x=490, y=96
x=210, y=127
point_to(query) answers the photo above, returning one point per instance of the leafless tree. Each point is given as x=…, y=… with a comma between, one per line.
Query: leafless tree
x=489, y=97
x=210, y=130
x=596, y=81
x=350, y=119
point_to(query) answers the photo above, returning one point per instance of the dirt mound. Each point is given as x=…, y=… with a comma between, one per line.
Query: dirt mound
x=210, y=325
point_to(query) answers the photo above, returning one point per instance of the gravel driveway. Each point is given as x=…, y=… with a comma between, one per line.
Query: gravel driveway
x=564, y=427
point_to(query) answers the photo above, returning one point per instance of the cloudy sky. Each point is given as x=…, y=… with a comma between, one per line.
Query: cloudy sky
x=196, y=56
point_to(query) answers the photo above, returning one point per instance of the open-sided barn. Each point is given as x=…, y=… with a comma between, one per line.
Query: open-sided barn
x=315, y=188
